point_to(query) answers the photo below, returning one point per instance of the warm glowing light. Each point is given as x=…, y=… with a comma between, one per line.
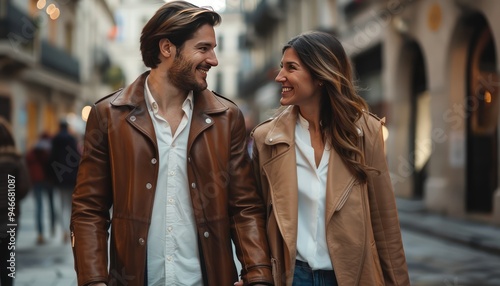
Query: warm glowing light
x=50, y=8
x=55, y=14
x=86, y=112
x=487, y=97
x=40, y=4
x=385, y=132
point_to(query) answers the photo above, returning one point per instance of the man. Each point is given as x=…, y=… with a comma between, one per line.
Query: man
x=64, y=159
x=170, y=157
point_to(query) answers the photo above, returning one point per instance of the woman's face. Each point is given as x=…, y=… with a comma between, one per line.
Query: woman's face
x=297, y=85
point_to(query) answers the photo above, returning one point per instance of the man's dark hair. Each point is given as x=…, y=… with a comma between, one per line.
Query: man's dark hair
x=177, y=21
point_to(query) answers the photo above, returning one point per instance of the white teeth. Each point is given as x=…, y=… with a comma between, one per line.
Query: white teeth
x=285, y=89
x=203, y=71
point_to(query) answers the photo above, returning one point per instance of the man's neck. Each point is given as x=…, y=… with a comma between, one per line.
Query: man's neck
x=166, y=95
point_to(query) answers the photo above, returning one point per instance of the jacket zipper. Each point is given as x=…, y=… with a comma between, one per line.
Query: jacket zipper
x=72, y=239
x=345, y=195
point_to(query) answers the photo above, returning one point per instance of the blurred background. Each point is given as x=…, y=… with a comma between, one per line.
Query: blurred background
x=430, y=67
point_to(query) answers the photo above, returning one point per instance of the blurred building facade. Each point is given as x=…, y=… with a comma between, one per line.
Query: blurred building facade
x=430, y=67
x=47, y=58
x=130, y=16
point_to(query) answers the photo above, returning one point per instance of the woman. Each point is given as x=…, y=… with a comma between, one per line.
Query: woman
x=331, y=212
x=14, y=185
x=37, y=161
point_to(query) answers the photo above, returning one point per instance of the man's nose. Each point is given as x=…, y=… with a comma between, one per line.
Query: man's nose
x=212, y=59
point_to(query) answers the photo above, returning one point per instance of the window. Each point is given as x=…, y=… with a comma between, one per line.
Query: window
x=220, y=43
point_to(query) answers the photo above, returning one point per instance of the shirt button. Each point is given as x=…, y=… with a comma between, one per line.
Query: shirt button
x=155, y=105
x=208, y=120
x=132, y=118
x=149, y=186
x=141, y=241
x=153, y=161
x=206, y=234
x=169, y=258
x=171, y=201
x=169, y=229
x=193, y=185
x=189, y=159
x=172, y=173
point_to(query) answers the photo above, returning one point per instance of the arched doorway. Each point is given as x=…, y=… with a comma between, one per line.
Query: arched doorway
x=420, y=119
x=482, y=119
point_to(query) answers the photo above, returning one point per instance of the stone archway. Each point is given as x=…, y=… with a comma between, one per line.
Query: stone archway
x=482, y=111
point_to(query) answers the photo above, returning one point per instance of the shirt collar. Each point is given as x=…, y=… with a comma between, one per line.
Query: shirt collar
x=153, y=106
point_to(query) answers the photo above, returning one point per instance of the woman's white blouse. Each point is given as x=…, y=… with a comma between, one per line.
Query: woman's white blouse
x=311, y=236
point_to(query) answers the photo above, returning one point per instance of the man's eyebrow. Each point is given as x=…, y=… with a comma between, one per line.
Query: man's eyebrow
x=205, y=44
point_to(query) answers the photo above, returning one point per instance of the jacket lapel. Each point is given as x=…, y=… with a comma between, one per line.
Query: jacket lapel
x=281, y=171
x=340, y=181
x=133, y=96
x=205, y=103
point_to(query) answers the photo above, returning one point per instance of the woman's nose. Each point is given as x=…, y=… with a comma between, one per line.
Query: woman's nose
x=280, y=77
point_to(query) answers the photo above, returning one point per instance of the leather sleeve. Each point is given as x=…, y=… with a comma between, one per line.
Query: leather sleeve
x=92, y=200
x=384, y=214
x=247, y=212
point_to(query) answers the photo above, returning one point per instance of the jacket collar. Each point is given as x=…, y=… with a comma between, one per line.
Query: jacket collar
x=206, y=103
x=283, y=129
x=133, y=96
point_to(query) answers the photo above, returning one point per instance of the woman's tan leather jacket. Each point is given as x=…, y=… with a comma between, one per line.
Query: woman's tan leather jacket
x=119, y=169
x=362, y=226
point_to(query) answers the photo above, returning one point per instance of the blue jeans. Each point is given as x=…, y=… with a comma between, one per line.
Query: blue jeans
x=305, y=276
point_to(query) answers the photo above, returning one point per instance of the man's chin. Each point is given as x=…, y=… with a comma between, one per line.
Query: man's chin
x=200, y=87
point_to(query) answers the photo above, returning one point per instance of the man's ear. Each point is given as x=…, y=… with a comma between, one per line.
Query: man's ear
x=166, y=47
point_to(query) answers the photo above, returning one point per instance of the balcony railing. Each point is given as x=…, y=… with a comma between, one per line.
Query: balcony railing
x=17, y=27
x=265, y=15
x=59, y=61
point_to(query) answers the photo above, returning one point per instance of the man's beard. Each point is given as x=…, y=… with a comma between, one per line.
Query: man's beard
x=182, y=76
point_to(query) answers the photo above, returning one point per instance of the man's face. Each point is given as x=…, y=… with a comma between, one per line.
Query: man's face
x=193, y=61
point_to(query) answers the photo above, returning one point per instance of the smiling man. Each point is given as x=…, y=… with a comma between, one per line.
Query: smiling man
x=170, y=158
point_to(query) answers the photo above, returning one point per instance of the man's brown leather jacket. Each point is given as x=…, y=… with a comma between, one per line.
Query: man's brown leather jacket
x=119, y=169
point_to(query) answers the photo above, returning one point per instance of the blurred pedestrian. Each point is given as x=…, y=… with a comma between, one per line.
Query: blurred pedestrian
x=64, y=160
x=170, y=157
x=320, y=163
x=14, y=185
x=37, y=160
